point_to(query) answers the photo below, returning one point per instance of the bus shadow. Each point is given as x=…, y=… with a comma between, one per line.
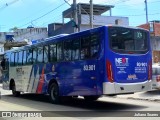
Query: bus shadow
x=154, y=92
x=74, y=103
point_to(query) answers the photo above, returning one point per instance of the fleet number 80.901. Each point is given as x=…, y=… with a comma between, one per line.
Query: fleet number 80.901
x=89, y=67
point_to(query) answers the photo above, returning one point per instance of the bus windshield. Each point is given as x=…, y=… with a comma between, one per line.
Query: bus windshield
x=128, y=40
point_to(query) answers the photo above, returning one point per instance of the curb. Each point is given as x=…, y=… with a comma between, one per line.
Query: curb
x=146, y=99
x=153, y=96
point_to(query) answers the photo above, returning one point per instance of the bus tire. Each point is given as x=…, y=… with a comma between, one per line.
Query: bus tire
x=14, y=92
x=54, y=93
x=91, y=98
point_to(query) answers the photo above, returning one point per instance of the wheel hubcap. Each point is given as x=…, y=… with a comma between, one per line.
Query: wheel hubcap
x=53, y=93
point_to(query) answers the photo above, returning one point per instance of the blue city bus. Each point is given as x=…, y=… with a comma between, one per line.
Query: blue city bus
x=107, y=60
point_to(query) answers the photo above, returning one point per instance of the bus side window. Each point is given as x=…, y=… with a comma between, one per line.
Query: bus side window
x=12, y=59
x=34, y=60
x=15, y=58
x=40, y=55
x=85, y=47
x=45, y=54
x=76, y=49
x=20, y=58
x=53, y=53
x=59, y=51
x=67, y=50
x=29, y=57
x=24, y=57
x=94, y=45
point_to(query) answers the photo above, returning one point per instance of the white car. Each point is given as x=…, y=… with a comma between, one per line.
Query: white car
x=155, y=76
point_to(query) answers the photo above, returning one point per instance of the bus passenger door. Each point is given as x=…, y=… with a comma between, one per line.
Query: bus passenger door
x=19, y=71
x=19, y=81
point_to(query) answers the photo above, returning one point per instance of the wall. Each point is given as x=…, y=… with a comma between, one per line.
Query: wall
x=155, y=45
x=65, y=29
x=84, y=23
x=145, y=26
x=156, y=28
x=52, y=27
x=105, y=20
x=155, y=39
x=30, y=34
x=86, y=27
x=3, y=36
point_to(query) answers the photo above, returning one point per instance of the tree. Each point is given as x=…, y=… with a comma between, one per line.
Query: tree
x=13, y=29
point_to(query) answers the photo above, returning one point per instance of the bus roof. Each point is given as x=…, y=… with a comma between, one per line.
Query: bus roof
x=60, y=36
x=131, y=27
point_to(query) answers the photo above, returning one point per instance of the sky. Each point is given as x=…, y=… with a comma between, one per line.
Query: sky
x=40, y=13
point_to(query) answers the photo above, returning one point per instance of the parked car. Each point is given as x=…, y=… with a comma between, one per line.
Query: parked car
x=155, y=76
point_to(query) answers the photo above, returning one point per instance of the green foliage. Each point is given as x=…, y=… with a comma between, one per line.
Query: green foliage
x=13, y=29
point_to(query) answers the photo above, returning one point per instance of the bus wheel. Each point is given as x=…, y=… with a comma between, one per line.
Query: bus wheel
x=91, y=98
x=54, y=93
x=14, y=92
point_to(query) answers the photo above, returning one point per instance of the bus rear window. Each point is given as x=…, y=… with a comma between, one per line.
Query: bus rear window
x=127, y=40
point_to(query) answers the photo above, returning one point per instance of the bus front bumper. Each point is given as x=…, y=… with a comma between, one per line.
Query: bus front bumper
x=122, y=88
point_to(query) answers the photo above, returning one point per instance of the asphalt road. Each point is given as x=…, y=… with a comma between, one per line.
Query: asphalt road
x=77, y=108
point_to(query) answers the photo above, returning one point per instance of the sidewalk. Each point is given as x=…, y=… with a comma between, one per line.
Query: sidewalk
x=149, y=96
x=4, y=92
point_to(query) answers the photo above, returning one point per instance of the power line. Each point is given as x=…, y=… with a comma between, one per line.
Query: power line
x=122, y=1
x=44, y=14
x=123, y=6
x=142, y=14
x=57, y=18
x=67, y=2
x=35, y=13
x=36, y=33
x=7, y=4
x=118, y=2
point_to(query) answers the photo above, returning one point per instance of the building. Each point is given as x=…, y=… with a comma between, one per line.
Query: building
x=21, y=37
x=155, y=45
x=83, y=19
x=29, y=34
x=154, y=28
x=5, y=37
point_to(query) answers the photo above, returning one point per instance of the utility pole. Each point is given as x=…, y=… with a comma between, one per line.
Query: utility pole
x=110, y=12
x=75, y=14
x=79, y=16
x=146, y=8
x=91, y=13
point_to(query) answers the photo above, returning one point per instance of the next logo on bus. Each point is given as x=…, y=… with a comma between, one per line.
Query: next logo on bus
x=121, y=61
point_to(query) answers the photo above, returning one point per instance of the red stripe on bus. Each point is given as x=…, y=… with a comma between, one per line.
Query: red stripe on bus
x=41, y=82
